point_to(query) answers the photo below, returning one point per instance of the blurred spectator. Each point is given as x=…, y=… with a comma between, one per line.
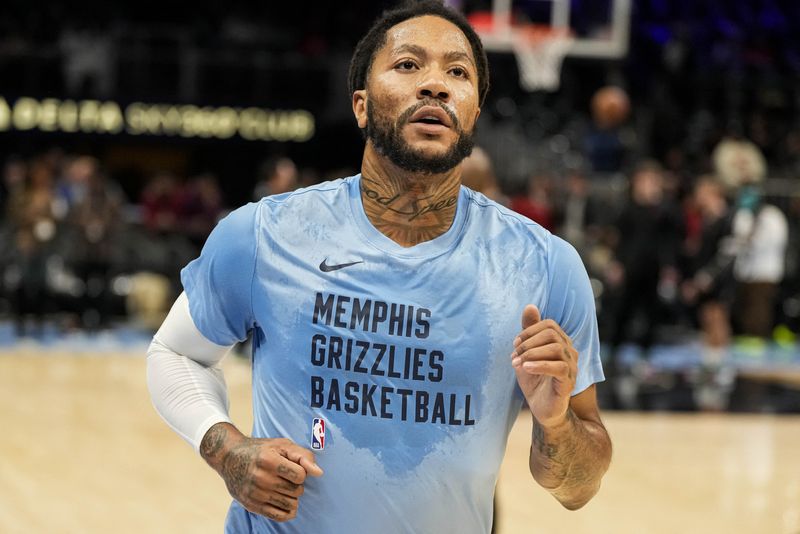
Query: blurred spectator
x=15, y=171
x=790, y=309
x=161, y=202
x=738, y=162
x=791, y=152
x=96, y=217
x=576, y=213
x=536, y=204
x=478, y=175
x=200, y=207
x=707, y=288
x=605, y=144
x=759, y=237
x=649, y=236
x=761, y=233
x=73, y=185
x=277, y=175
x=33, y=220
x=708, y=277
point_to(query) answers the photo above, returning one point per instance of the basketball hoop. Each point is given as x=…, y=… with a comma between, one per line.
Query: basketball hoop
x=540, y=52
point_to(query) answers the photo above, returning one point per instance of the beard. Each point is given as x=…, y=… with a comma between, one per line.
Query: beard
x=388, y=141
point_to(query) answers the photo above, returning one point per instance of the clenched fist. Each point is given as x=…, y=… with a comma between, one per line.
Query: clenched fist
x=265, y=475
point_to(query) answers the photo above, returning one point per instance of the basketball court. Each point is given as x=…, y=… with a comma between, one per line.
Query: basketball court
x=84, y=451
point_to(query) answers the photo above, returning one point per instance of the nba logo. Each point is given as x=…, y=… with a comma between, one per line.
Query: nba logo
x=318, y=434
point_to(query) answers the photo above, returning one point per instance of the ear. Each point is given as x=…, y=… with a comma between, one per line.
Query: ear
x=360, y=107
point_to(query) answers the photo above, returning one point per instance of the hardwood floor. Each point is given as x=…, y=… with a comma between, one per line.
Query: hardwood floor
x=82, y=450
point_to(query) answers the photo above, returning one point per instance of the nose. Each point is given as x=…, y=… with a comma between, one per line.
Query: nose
x=433, y=86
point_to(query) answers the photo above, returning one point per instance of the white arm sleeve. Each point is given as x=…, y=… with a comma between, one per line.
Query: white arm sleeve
x=186, y=384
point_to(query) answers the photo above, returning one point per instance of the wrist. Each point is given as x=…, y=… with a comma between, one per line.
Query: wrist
x=217, y=443
x=558, y=424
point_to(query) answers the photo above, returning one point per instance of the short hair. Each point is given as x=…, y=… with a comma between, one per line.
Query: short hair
x=648, y=165
x=710, y=181
x=375, y=38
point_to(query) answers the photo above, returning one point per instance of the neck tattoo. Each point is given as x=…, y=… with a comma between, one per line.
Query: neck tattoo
x=406, y=216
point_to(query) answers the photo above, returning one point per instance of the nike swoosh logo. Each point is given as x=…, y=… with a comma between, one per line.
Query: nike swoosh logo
x=325, y=268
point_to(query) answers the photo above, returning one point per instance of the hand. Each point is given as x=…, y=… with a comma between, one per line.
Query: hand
x=265, y=475
x=546, y=365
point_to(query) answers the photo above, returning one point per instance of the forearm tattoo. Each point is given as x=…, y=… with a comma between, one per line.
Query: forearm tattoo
x=556, y=456
x=571, y=464
x=213, y=441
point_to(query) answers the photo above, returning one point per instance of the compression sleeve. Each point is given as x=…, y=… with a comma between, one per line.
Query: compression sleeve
x=186, y=384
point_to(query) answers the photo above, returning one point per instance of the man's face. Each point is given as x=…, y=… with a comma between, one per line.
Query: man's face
x=421, y=102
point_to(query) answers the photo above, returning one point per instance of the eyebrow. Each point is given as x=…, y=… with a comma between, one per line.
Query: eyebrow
x=419, y=51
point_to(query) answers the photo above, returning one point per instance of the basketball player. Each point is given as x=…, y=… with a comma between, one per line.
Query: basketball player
x=389, y=362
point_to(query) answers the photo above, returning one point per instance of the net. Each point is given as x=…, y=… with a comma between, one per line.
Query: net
x=540, y=52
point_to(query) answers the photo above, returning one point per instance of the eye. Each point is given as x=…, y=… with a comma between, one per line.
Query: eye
x=406, y=64
x=458, y=72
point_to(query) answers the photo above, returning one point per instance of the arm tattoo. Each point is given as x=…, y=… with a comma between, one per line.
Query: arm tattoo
x=554, y=456
x=213, y=441
x=548, y=450
x=571, y=464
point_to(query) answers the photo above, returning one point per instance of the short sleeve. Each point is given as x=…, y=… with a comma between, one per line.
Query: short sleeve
x=570, y=303
x=218, y=283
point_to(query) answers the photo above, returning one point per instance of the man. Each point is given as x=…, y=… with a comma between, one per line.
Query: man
x=383, y=309
x=646, y=254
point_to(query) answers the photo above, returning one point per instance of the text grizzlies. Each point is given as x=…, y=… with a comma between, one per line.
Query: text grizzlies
x=388, y=362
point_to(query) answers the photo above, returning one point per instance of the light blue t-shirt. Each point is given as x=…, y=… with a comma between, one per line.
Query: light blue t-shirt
x=400, y=355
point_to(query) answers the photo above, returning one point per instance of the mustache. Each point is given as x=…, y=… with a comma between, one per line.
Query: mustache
x=429, y=102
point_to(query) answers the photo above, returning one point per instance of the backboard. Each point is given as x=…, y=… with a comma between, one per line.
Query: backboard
x=599, y=28
x=541, y=33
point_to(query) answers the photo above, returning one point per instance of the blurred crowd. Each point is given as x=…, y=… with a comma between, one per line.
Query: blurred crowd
x=78, y=251
x=715, y=254
x=674, y=172
x=676, y=259
x=713, y=257
x=73, y=244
